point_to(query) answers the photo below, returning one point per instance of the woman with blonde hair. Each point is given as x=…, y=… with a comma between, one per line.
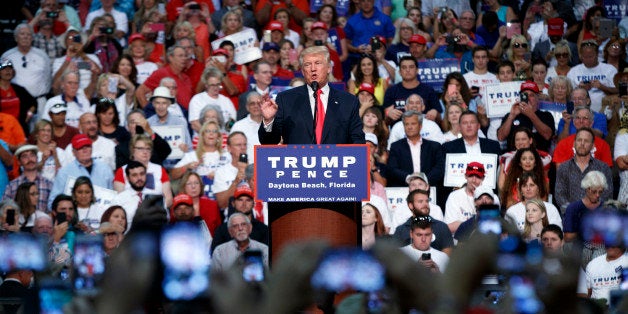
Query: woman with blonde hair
x=517, y=52
x=536, y=220
x=563, y=55
x=208, y=155
x=185, y=29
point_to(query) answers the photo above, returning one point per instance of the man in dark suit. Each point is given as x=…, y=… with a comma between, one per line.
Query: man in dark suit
x=291, y=116
x=16, y=285
x=470, y=142
x=403, y=160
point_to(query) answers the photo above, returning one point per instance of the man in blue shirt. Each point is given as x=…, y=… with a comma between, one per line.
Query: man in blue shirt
x=99, y=172
x=365, y=24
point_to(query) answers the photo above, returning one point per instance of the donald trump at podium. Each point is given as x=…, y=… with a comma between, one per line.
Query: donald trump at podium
x=313, y=113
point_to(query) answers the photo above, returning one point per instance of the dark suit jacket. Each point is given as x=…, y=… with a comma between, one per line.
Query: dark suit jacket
x=542, y=48
x=486, y=146
x=295, y=124
x=400, y=162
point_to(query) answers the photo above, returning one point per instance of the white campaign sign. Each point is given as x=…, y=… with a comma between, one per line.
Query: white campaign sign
x=174, y=136
x=499, y=98
x=244, y=42
x=456, y=166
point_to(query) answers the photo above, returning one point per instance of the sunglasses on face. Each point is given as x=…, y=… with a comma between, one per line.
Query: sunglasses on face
x=520, y=45
x=561, y=55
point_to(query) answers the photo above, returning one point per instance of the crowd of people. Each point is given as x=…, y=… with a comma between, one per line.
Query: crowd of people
x=105, y=104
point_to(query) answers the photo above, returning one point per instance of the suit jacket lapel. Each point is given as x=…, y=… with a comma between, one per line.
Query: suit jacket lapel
x=332, y=106
x=303, y=102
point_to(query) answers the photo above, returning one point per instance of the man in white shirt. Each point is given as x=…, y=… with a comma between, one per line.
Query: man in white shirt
x=31, y=65
x=416, y=181
x=420, y=249
x=460, y=204
x=429, y=129
x=131, y=199
x=122, y=22
x=480, y=76
x=230, y=175
x=592, y=75
x=103, y=149
x=72, y=96
x=250, y=124
x=604, y=273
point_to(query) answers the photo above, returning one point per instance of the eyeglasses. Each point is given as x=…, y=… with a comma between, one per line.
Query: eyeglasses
x=214, y=85
x=235, y=226
x=34, y=194
x=615, y=46
x=193, y=183
x=211, y=131
x=109, y=234
x=581, y=117
x=405, y=28
x=6, y=63
x=24, y=62
x=520, y=45
x=561, y=55
x=143, y=149
x=596, y=191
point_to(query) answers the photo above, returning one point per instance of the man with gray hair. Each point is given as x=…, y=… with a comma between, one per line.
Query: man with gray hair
x=414, y=154
x=32, y=65
x=429, y=129
x=226, y=254
x=573, y=171
x=582, y=118
x=72, y=99
x=250, y=124
x=177, y=62
x=567, y=125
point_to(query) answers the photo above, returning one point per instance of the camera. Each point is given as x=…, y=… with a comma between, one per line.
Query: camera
x=194, y=7
x=453, y=40
x=106, y=30
x=318, y=43
x=52, y=15
x=426, y=256
x=375, y=44
x=244, y=158
x=523, y=97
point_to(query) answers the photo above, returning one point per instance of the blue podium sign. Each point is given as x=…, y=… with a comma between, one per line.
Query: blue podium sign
x=312, y=173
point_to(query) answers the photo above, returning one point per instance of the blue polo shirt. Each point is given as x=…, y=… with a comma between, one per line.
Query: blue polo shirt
x=599, y=123
x=360, y=29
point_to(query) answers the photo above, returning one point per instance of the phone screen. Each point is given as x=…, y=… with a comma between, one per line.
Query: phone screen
x=253, y=266
x=513, y=29
x=489, y=219
x=10, y=220
x=452, y=89
x=88, y=264
x=342, y=269
x=22, y=251
x=53, y=295
x=112, y=86
x=185, y=259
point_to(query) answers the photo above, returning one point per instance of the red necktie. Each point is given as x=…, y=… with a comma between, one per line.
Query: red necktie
x=139, y=203
x=320, y=116
x=259, y=211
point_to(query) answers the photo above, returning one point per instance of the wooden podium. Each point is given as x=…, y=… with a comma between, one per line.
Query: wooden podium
x=337, y=223
x=313, y=192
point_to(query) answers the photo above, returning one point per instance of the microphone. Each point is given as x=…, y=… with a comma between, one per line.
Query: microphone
x=314, y=86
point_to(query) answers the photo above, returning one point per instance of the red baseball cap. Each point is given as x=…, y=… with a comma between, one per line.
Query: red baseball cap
x=243, y=189
x=367, y=87
x=81, y=140
x=531, y=86
x=275, y=26
x=555, y=27
x=136, y=36
x=381, y=40
x=475, y=169
x=221, y=51
x=318, y=24
x=417, y=39
x=182, y=199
